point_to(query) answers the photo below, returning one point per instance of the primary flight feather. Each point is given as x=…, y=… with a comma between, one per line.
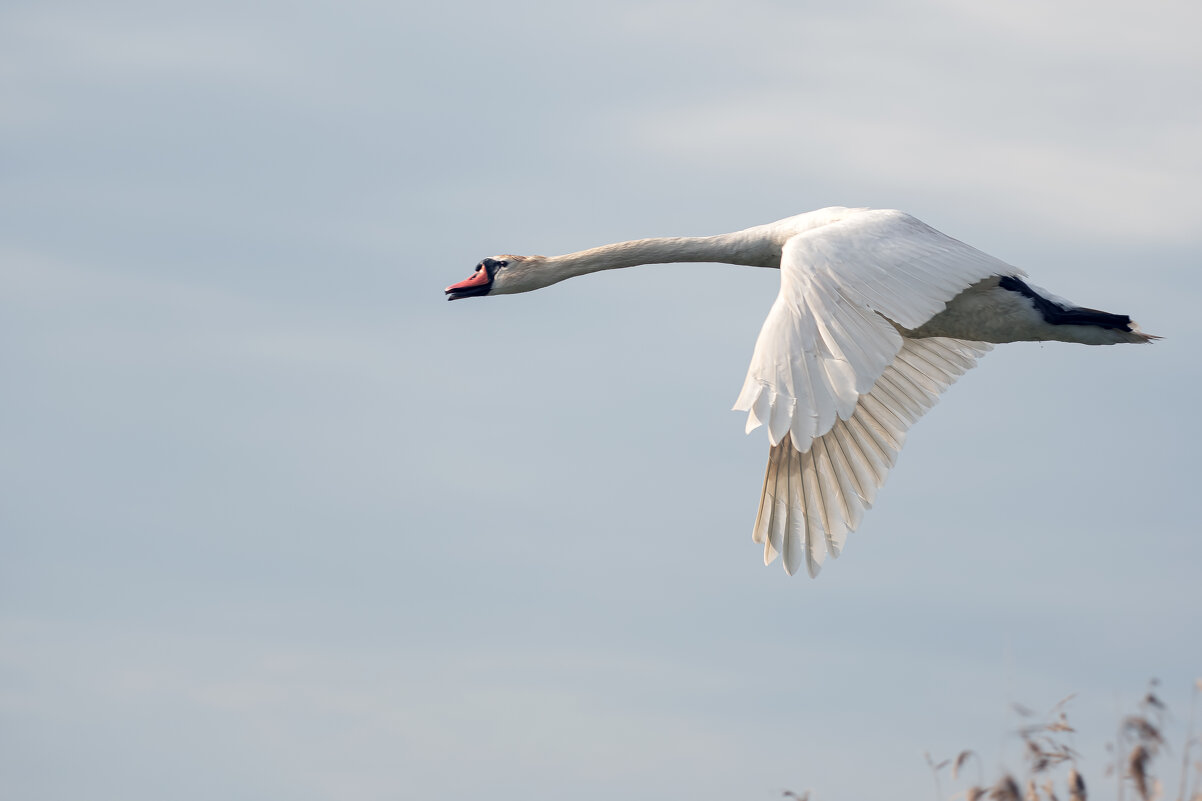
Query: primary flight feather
x=877, y=314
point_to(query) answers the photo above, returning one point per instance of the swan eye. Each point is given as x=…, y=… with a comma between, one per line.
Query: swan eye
x=502, y=264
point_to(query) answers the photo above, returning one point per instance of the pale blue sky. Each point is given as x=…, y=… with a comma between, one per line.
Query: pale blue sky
x=281, y=523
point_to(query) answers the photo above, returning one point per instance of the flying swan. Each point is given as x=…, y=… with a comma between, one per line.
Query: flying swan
x=877, y=314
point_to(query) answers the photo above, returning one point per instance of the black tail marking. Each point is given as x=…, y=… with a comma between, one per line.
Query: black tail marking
x=1055, y=314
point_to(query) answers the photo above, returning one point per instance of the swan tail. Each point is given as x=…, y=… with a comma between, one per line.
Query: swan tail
x=1077, y=323
x=1135, y=336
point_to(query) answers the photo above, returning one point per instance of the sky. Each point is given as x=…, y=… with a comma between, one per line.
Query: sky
x=279, y=522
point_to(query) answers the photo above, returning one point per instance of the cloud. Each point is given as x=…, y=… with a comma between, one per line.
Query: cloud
x=1076, y=188
x=1067, y=120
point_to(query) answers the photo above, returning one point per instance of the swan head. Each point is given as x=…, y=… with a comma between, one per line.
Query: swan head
x=501, y=275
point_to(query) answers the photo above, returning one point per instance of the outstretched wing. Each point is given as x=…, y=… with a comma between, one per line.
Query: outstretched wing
x=846, y=287
x=811, y=500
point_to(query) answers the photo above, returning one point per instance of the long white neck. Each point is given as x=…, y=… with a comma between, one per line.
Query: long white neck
x=736, y=248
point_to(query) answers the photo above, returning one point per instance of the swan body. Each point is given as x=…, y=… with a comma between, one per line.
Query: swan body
x=877, y=314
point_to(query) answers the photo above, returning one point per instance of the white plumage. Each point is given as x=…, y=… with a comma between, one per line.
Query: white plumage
x=812, y=499
x=877, y=314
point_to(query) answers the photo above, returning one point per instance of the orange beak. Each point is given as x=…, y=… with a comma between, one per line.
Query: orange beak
x=476, y=284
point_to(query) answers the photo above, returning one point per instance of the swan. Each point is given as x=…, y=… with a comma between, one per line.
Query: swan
x=877, y=314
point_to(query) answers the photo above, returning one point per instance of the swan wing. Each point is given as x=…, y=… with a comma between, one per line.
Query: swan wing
x=812, y=500
x=833, y=379
x=829, y=335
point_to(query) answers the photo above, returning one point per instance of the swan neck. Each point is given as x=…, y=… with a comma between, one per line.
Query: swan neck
x=726, y=248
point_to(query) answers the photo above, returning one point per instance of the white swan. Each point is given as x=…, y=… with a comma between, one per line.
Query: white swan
x=877, y=314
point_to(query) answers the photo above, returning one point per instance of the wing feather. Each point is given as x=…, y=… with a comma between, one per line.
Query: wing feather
x=813, y=515
x=866, y=480
x=850, y=492
x=820, y=496
x=833, y=502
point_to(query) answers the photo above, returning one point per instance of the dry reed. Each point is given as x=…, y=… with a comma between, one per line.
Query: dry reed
x=1050, y=762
